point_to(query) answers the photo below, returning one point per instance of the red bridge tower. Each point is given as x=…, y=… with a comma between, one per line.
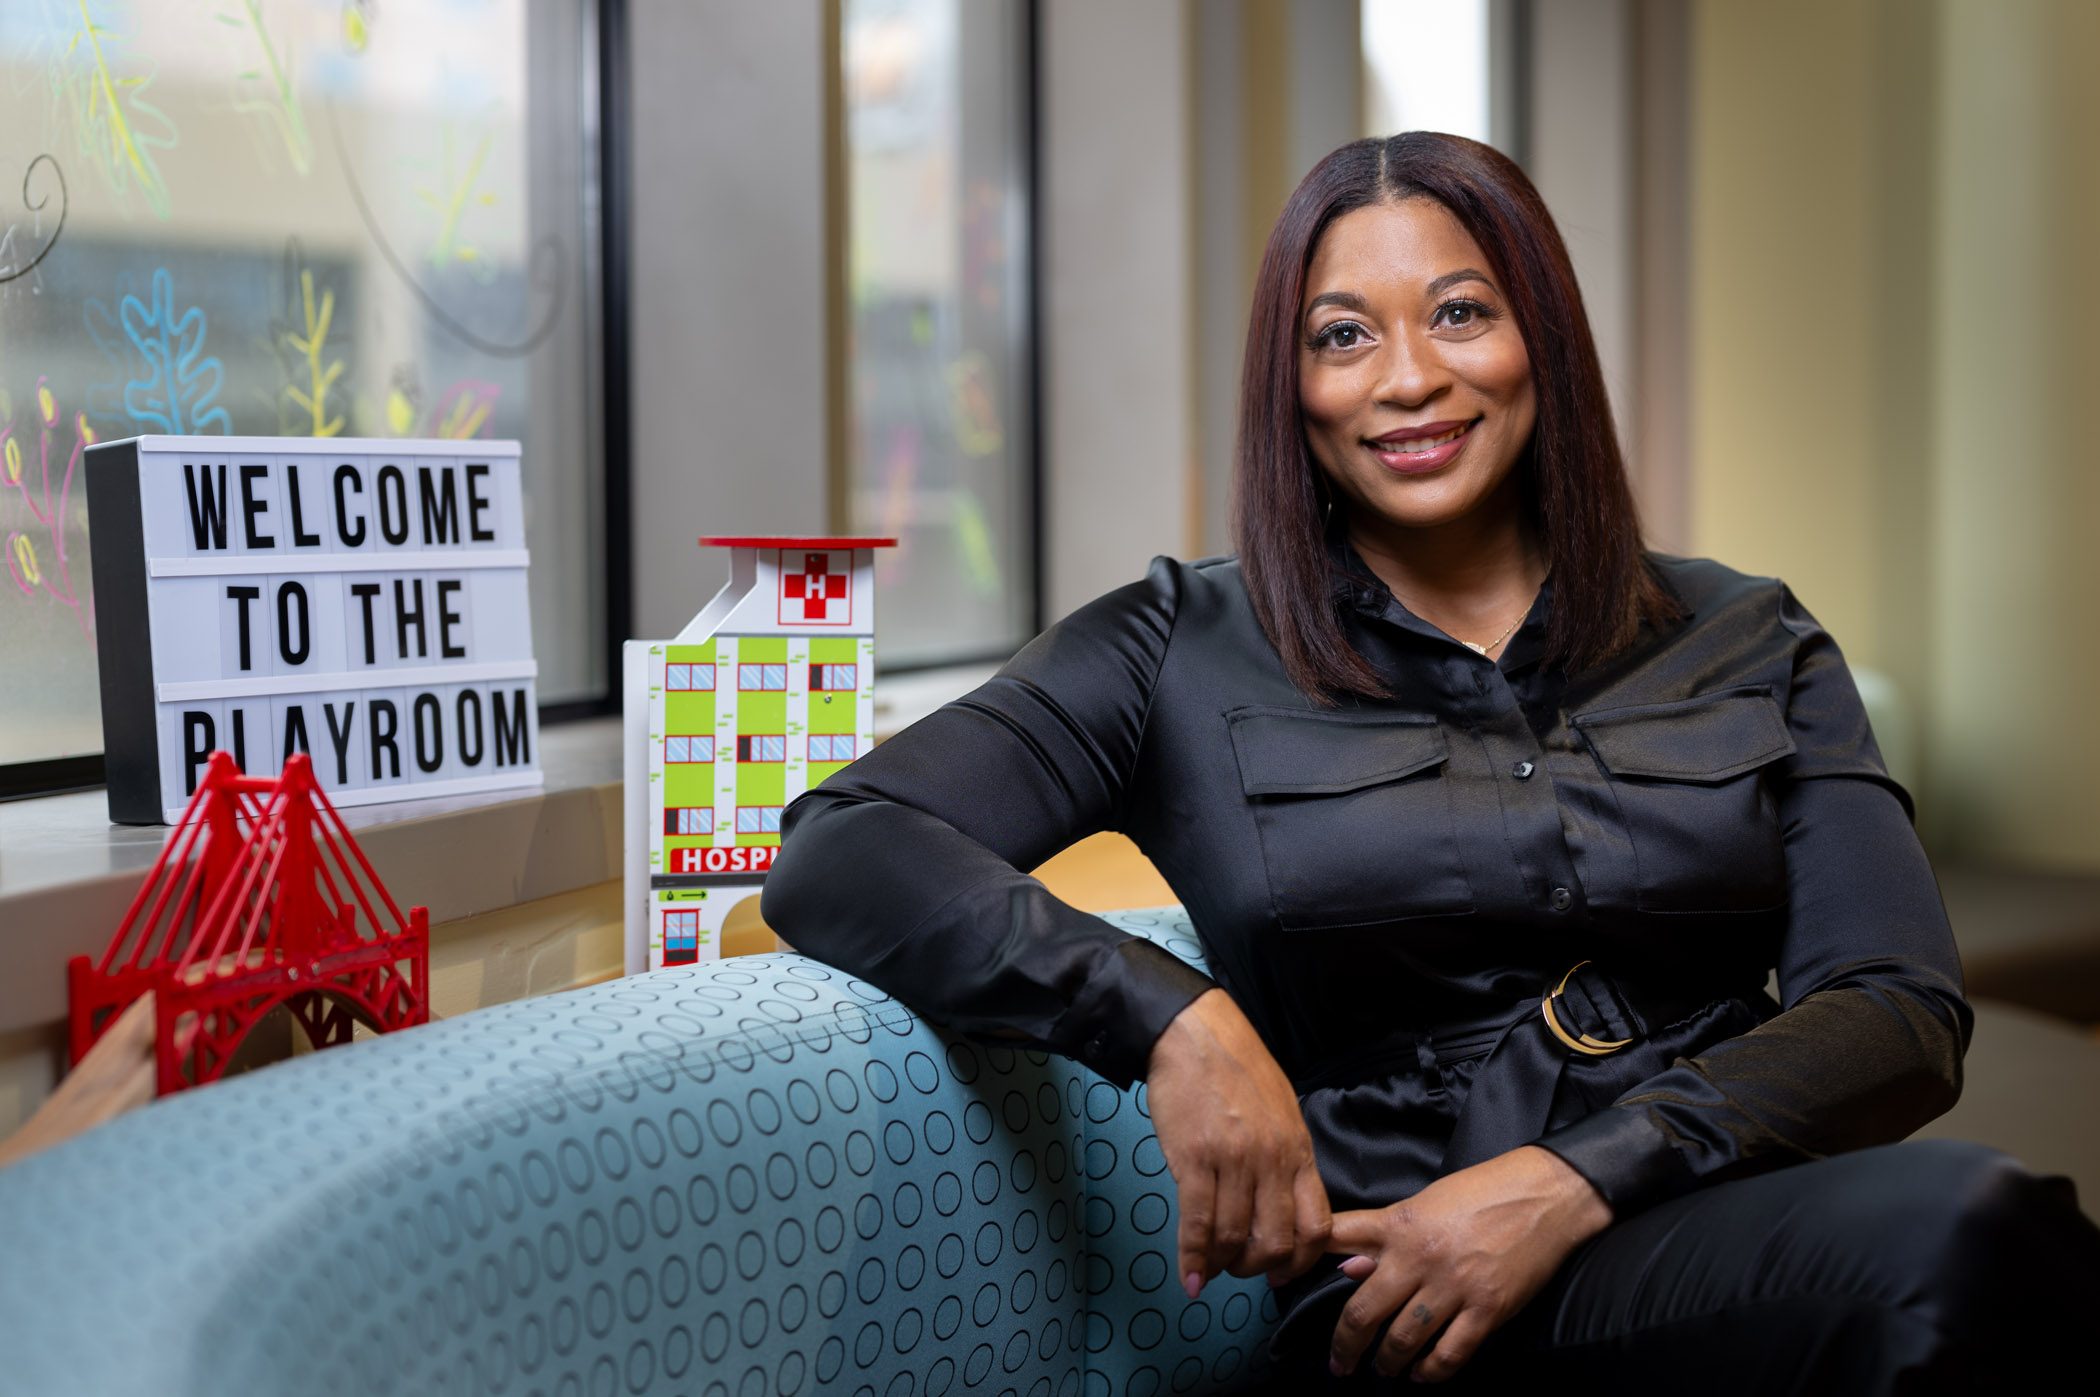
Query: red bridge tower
x=261, y=898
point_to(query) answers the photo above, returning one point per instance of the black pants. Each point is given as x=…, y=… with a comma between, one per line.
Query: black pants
x=1928, y=1266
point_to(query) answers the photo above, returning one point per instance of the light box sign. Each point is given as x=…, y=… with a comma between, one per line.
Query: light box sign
x=360, y=600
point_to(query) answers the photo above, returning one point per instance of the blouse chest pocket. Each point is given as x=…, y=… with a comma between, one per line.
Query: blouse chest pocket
x=1688, y=778
x=1353, y=813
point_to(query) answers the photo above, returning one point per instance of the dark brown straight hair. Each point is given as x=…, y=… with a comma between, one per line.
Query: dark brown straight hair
x=1573, y=479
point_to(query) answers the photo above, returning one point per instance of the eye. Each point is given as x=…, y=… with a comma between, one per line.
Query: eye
x=1340, y=334
x=1467, y=313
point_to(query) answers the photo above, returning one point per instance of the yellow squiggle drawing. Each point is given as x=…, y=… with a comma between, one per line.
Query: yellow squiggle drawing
x=976, y=416
x=357, y=25
x=113, y=140
x=314, y=398
x=25, y=563
x=464, y=409
x=451, y=205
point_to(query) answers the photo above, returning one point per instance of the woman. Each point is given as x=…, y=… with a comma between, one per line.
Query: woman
x=1493, y=824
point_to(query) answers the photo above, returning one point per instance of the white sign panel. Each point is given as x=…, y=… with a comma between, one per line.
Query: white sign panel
x=361, y=600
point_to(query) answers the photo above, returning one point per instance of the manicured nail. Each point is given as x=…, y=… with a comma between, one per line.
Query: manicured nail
x=1193, y=1283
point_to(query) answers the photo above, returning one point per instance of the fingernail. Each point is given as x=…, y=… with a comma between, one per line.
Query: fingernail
x=1193, y=1283
x=1334, y=1365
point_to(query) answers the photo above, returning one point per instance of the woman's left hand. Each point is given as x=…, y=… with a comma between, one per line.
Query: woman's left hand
x=1463, y=1256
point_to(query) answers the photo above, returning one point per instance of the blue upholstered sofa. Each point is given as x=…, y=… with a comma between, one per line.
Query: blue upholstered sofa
x=752, y=1176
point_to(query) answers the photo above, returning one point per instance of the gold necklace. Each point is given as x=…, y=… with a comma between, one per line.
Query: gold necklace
x=1483, y=649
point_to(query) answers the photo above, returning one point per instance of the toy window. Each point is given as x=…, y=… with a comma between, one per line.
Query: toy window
x=681, y=938
x=689, y=819
x=762, y=748
x=679, y=751
x=758, y=819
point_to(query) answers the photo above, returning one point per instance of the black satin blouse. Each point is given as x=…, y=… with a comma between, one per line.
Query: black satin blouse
x=1390, y=889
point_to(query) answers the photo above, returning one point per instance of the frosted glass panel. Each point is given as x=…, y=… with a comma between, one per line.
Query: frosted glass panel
x=288, y=217
x=940, y=412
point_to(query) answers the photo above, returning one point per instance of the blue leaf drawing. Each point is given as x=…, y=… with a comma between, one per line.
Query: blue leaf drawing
x=176, y=394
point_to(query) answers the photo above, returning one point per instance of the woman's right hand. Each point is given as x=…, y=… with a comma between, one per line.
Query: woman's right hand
x=1242, y=1159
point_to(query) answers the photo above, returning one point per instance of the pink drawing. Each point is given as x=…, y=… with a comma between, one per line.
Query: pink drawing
x=463, y=410
x=25, y=547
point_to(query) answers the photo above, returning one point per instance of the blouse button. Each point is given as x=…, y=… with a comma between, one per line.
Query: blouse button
x=1096, y=1045
x=1562, y=899
x=1521, y=770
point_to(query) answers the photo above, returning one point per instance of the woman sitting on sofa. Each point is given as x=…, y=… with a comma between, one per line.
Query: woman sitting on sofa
x=1493, y=823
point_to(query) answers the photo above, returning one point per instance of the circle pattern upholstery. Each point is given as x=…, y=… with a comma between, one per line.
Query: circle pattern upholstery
x=759, y=1177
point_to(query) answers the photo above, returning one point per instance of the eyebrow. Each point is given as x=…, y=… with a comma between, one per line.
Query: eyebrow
x=1349, y=300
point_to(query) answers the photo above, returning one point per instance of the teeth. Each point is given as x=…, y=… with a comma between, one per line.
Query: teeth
x=1423, y=443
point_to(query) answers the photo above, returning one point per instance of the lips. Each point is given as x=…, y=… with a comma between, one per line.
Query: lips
x=1418, y=450
x=1426, y=437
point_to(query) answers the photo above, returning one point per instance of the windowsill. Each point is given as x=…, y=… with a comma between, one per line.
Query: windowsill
x=67, y=875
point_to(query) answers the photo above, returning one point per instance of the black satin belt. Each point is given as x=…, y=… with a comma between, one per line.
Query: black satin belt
x=1509, y=1103
x=1511, y=1098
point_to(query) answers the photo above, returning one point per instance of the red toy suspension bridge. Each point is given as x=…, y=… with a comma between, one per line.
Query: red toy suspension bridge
x=260, y=899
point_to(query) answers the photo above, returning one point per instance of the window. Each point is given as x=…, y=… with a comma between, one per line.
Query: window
x=758, y=819
x=681, y=938
x=384, y=232
x=762, y=676
x=762, y=748
x=679, y=751
x=689, y=678
x=941, y=360
x=1403, y=93
x=833, y=678
x=837, y=747
x=689, y=820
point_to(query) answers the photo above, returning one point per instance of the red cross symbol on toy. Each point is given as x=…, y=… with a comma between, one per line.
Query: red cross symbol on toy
x=808, y=595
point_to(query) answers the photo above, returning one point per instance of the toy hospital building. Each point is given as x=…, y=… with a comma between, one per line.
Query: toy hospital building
x=766, y=692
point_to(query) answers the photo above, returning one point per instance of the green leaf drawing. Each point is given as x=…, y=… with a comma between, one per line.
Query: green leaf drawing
x=267, y=91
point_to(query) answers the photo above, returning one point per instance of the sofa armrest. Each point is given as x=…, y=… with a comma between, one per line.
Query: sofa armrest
x=753, y=1165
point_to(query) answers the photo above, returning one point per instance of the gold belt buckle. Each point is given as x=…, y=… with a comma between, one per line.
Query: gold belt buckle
x=1584, y=1043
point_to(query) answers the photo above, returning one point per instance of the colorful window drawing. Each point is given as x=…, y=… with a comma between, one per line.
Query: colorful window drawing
x=689, y=819
x=681, y=938
x=762, y=677
x=683, y=750
x=762, y=748
x=758, y=819
x=834, y=747
x=834, y=678
x=689, y=678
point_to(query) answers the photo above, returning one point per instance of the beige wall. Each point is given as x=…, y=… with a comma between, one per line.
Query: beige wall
x=2017, y=293
x=1891, y=206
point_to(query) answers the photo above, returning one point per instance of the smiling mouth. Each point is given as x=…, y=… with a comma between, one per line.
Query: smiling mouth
x=1416, y=445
